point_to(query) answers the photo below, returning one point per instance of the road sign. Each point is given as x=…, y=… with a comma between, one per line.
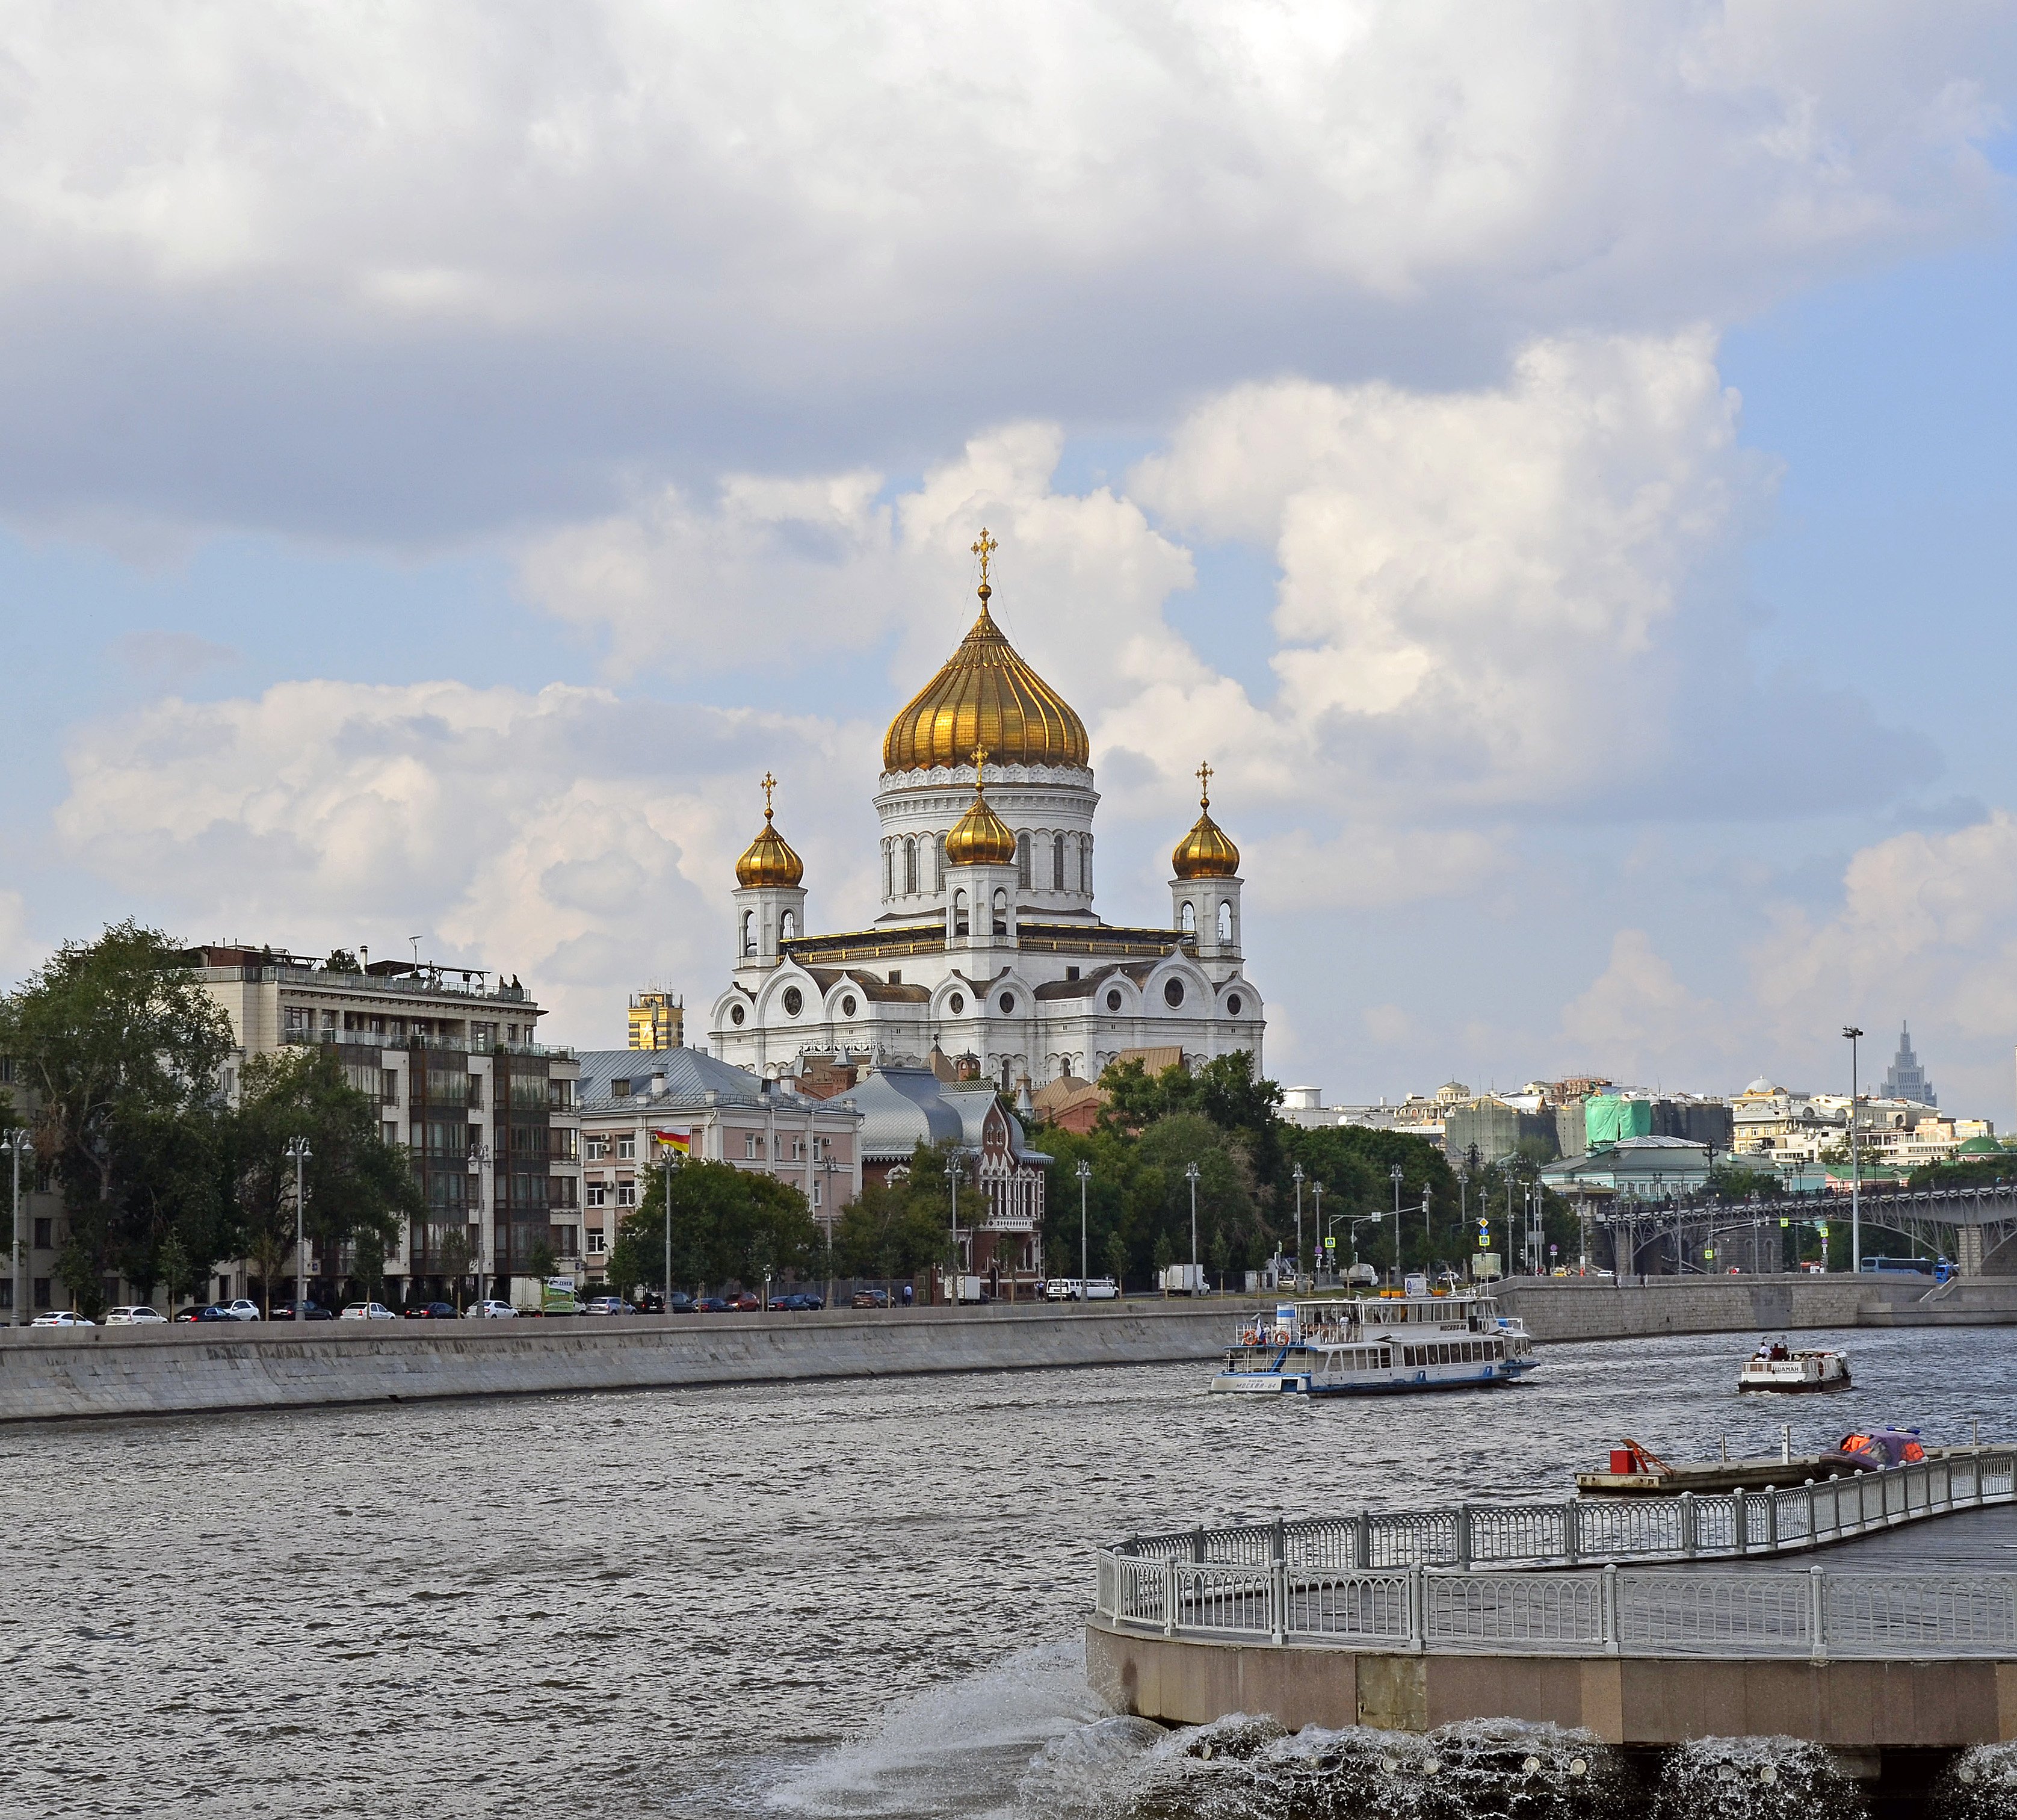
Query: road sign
x=1330, y=1241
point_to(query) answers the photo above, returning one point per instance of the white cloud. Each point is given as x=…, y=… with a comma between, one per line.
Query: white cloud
x=461, y=265
x=1636, y=1021
x=583, y=843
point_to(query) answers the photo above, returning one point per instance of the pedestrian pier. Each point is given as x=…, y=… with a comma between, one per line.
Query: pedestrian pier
x=1873, y=1614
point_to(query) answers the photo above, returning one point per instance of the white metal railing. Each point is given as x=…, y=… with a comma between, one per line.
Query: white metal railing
x=1591, y=1611
x=1777, y=1520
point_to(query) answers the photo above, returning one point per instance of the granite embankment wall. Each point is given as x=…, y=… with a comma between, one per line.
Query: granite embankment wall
x=54, y=1374
x=1593, y=1308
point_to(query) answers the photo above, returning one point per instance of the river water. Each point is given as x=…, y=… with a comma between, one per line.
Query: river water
x=851, y=1599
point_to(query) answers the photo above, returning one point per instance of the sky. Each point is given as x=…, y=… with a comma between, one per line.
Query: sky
x=1553, y=460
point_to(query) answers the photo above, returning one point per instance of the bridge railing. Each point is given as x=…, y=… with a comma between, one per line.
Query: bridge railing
x=1773, y=1520
x=1597, y=1611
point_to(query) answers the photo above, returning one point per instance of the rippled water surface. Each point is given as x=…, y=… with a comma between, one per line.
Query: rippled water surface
x=851, y=1599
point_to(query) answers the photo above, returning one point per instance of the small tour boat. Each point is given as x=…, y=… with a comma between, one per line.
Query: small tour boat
x=1369, y=1346
x=1775, y=1366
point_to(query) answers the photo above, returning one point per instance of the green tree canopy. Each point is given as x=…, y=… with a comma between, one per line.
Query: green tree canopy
x=359, y=1188
x=117, y=1050
x=728, y=1225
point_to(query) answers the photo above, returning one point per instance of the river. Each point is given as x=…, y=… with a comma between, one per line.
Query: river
x=849, y=1599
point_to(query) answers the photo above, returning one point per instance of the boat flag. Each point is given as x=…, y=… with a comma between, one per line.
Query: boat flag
x=679, y=1142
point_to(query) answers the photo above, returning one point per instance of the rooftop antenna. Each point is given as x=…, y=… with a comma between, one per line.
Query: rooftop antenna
x=416, y=940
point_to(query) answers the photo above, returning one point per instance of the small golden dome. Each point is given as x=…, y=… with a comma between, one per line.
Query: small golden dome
x=979, y=837
x=768, y=860
x=985, y=694
x=1205, y=852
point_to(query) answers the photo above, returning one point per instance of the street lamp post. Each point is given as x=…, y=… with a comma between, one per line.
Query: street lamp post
x=17, y=1142
x=952, y=1175
x=1316, y=1190
x=1396, y=1173
x=1084, y=1173
x=1855, y=1161
x=671, y=1156
x=1191, y=1175
x=1296, y=1176
x=298, y=1149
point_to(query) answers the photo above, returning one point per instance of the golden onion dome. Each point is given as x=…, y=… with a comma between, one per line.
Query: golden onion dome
x=985, y=694
x=1205, y=852
x=979, y=837
x=767, y=859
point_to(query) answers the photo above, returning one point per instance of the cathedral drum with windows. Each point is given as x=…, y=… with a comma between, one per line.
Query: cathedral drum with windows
x=988, y=945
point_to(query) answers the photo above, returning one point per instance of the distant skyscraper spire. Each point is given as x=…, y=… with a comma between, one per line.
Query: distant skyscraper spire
x=1907, y=1080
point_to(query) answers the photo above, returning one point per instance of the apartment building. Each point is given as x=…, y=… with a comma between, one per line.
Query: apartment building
x=657, y=1020
x=451, y=1054
x=635, y=1105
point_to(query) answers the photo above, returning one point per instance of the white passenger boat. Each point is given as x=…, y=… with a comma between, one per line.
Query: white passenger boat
x=1366, y=1345
x=1775, y=1366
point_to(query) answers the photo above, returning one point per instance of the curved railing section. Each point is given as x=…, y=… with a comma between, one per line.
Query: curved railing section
x=1475, y=1577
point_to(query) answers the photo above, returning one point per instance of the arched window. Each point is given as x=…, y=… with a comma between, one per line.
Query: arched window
x=1057, y=862
x=889, y=869
x=787, y=925
x=1000, y=925
x=959, y=913
x=1225, y=923
x=938, y=866
x=1023, y=860
x=749, y=932
x=910, y=867
x=1187, y=920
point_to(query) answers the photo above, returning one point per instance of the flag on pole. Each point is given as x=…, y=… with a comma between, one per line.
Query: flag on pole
x=679, y=1142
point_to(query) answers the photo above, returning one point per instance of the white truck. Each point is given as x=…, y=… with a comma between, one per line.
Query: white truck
x=1182, y=1279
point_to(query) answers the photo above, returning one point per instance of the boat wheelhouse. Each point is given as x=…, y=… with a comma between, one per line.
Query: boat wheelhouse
x=1776, y=1365
x=1370, y=1345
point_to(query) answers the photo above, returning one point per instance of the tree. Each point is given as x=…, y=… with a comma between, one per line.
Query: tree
x=728, y=1225
x=359, y=1189
x=454, y=1251
x=895, y=1229
x=178, y=1269
x=118, y=1047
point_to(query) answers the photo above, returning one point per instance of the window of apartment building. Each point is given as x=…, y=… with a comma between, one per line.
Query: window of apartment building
x=626, y=1194
x=392, y=1131
x=750, y=1142
x=627, y=1149
x=43, y=1179
x=619, y=1089
x=6, y=1069
x=564, y=1145
x=597, y=1242
x=595, y=1147
x=598, y=1196
x=6, y=1292
x=560, y=1095
x=299, y=1019
x=388, y=1086
x=45, y=1235
x=42, y=1290
x=816, y=1190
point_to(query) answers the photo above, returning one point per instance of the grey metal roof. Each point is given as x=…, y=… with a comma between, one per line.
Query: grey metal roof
x=902, y=1108
x=690, y=1075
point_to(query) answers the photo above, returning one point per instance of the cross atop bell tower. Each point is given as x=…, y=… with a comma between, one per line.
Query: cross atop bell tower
x=984, y=548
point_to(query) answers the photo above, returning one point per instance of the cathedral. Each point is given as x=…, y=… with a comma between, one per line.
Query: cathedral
x=987, y=951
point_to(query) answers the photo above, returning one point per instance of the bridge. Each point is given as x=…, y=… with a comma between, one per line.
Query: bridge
x=1785, y=1610
x=1972, y=1227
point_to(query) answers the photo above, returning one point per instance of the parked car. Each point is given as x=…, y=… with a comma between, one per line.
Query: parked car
x=133, y=1317
x=607, y=1305
x=62, y=1317
x=487, y=1310
x=870, y=1298
x=710, y=1305
x=215, y=1311
x=310, y=1311
x=368, y=1311
x=799, y=1302
x=241, y=1309
x=743, y=1302
x=681, y=1303
x=433, y=1311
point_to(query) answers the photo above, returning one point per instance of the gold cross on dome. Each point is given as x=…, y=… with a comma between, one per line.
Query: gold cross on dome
x=980, y=759
x=985, y=549
x=770, y=784
x=1204, y=786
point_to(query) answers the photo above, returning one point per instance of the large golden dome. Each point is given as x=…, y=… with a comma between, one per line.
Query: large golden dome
x=767, y=861
x=979, y=837
x=1205, y=852
x=985, y=694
